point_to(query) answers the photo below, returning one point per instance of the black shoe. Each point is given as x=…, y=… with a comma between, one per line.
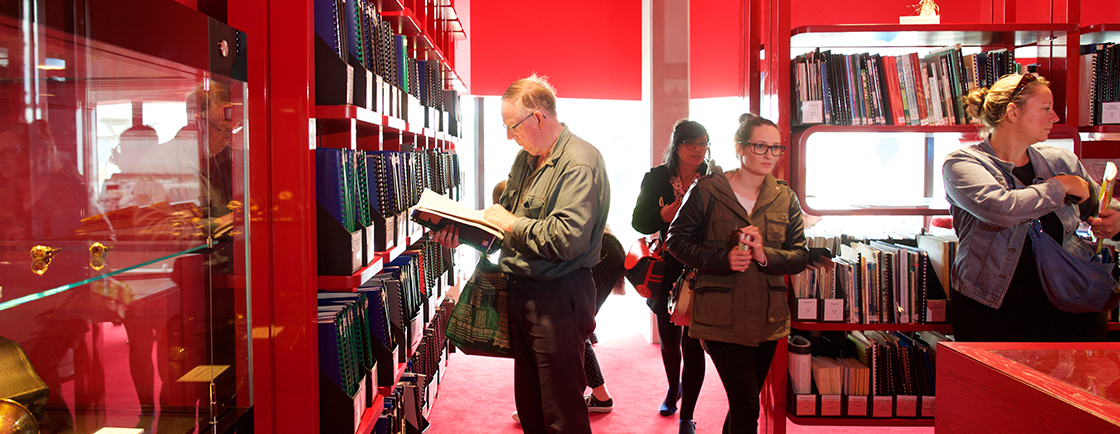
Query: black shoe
x=594, y=405
x=670, y=405
x=687, y=427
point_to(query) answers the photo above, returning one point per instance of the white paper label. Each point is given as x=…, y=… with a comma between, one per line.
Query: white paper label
x=882, y=406
x=807, y=309
x=1110, y=112
x=806, y=405
x=830, y=405
x=927, y=406
x=834, y=309
x=857, y=406
x=812, y=112
x=907, y=406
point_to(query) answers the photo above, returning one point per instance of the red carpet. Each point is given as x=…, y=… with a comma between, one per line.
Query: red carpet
x=476, y=395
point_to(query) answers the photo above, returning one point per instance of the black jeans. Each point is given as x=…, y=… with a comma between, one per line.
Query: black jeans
x=742, y=370
x=549, y=322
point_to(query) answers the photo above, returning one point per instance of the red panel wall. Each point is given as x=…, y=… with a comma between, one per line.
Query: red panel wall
x=588, y=49
x=715, y=48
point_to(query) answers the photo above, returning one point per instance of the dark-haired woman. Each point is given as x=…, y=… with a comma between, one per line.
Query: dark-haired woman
x=742, y=231
x=995, y=187
x=663, y=187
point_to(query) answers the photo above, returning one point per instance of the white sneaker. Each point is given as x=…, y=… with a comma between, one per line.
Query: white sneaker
x=516, y=418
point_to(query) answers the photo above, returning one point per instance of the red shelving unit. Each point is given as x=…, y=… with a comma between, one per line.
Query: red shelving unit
x=1056, y=44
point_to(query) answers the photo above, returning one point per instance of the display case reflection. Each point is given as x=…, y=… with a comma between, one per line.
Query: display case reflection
x=122, y=241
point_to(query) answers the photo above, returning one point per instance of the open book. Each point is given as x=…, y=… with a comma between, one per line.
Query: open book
x=435, y=212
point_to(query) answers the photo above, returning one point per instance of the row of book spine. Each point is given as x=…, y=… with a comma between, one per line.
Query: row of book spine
x=880, y=282
x=423, y=372
x=351, y=184
x=1100, y=84
x=345, y=349
x=910, y=89
x=871, y=363
x=356, y=29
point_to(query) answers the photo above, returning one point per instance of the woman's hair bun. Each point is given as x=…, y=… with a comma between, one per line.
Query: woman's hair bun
x=743, y=118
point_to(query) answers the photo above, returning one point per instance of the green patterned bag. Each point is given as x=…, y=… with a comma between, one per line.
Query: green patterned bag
x=479, y=323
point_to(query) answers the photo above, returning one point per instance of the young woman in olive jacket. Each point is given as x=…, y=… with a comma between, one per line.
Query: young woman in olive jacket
x=743, y=231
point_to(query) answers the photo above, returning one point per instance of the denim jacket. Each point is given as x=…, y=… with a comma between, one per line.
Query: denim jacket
x=991, y=209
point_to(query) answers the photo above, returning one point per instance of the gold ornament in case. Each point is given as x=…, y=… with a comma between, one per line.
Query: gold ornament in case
x=97, y=252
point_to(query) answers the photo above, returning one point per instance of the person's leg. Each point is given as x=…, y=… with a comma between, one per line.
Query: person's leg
x=669, y=335
x=526, y=379
x=601, y=399
x=561, y=314
x=692, y=377
x=736, y=365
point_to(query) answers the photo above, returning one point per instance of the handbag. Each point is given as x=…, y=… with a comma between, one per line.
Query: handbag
x=680, y=301
x=644, y=267
x=1071, y=283
x=479, y=322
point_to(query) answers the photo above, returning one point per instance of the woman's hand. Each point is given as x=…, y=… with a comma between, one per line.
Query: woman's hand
x=739, y=260
x=1077, y=188
x=669, y=211
x=1106, y=225
x=751, y=237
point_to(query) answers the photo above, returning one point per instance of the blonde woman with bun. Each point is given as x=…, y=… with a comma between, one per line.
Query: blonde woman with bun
x=995, y=188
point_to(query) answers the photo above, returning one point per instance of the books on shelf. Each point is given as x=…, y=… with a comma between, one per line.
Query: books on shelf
x=907, y=89
x=436, y=212
x=890, y=282
x=1100, y=85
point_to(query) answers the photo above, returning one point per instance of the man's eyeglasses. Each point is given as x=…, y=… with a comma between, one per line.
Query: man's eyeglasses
x=693, y=145
x=1025, y=80
x=761, y=148
x=510, y=129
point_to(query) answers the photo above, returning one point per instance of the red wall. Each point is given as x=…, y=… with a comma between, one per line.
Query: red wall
x=593, y=49
x=588, y=49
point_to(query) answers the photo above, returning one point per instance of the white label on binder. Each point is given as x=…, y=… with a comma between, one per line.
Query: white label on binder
x=834, y=309
x=882, y=406
x=857, y=405
x=907, y=406
x=830, y=405
x=807, y=308
x=812, y=112
x=1110, y=112
x=935, y=310
x=927, y=406
x=806, y=405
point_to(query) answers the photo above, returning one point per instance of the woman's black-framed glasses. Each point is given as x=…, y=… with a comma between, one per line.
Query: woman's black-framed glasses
x=1024, y=81
x=695, y=144
x=519, y=122
x=761, y=148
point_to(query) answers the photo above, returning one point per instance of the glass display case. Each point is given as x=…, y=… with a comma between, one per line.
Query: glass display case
x=123, y=245
x=1028, y=387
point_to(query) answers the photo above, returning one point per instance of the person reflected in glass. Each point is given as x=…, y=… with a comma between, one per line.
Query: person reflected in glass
x=997, y=186
x=663, y=187
x=742, y=231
